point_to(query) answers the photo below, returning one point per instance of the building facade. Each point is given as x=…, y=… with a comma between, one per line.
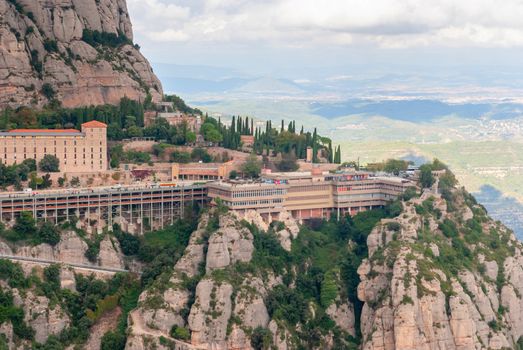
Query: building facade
x=77, y=151
x=306, y=195
x=201, y=171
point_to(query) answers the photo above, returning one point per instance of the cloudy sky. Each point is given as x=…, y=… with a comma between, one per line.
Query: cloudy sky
x=284, y=35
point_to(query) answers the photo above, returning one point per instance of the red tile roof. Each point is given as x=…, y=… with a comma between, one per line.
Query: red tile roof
x=94, y=124
x=44, y=130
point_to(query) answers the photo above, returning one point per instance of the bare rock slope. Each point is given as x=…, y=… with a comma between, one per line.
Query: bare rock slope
x=82, y=48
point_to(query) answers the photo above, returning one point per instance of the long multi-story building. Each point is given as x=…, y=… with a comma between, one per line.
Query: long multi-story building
x=308, y=195
x=77, y=151
x=147, y=206
x=150, y=206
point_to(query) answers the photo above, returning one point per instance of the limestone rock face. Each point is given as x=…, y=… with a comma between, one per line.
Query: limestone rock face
x=71, y=248
x=280, y=336
x=249, y=304
x=343, y=315
x=417, y=297
x=44, y=319
x=110, y=254
x=230, y=244
x=285, y=234
x=210, y=313
x=43, y=44
x=194, y=253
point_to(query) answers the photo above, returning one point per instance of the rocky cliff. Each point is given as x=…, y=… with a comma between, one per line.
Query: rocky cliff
x=221, y=294
x=79, y=52
x=429, y=272
x=442, y=275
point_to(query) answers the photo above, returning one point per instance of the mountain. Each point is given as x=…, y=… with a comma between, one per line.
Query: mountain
x=79, y=52
x=440, y=275
x=430, y=271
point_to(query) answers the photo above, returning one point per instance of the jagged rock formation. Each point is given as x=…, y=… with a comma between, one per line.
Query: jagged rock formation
x=41, y=314
x=218, y=296
x=70, y=249
x=43, y=41
x=442, y=275
x=286, y=231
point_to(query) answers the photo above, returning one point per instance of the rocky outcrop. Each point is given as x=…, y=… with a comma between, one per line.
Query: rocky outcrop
x=342, y=313
x=286, y=230
x=220, y=311
x=43, y=42
x=45, y=319
x=194, y=255
x=71, y=249
x=110, y=254
x=231, y=243
x=210, y=313
x=433, y=279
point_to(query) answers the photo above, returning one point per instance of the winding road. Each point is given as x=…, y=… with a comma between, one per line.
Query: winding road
x=87, y=267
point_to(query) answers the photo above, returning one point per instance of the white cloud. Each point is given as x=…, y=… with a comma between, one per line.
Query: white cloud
x=384, y=23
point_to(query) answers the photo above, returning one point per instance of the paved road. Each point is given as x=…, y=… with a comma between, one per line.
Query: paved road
x=49, y=262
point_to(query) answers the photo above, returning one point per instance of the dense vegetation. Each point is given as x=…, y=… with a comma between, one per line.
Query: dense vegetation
x=15, y=174
x=96, y=38
x=269, y=140
x=180, y=105
x=127, y=114
x=26, y=229
x=159, y=250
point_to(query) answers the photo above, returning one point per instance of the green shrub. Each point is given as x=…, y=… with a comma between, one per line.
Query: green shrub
x=104, y=305
x=49, y=163
x=261, y=339
x=50, y=45
x=112, y=341
x=180, y=333
x=48, y=233
x=394, y=226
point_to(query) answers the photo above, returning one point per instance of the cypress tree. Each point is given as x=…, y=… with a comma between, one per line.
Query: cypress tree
x=282, y=126
x=331, y=155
